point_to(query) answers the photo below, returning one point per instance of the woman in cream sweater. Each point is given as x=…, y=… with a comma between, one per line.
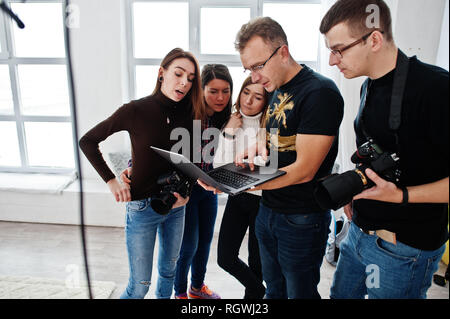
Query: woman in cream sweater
x=240, y=212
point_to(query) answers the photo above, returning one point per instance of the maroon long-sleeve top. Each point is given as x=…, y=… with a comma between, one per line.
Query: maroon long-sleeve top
x=149, y=122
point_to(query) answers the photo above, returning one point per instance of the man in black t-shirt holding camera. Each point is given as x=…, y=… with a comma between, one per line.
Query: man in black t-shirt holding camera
x=399, y=230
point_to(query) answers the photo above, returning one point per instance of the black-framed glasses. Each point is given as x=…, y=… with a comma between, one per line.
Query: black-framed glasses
x=338, y=52
x=259, y=67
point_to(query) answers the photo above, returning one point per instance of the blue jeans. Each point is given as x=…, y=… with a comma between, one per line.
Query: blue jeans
x=369, y=265
x=142, y=225
x=292, y=248
x=201, y=212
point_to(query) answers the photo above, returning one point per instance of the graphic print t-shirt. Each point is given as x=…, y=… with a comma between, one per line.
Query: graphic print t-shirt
x=308, y=104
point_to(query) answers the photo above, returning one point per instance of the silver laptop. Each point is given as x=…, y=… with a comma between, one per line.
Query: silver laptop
x=229, y=179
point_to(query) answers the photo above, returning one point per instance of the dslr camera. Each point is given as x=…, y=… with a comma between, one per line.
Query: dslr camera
x=337, y=190
x=171, y=183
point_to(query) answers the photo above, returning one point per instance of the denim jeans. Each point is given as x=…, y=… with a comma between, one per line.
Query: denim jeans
x=142, y=225
x=201, y=212
x=369, y=265
x=292, y=248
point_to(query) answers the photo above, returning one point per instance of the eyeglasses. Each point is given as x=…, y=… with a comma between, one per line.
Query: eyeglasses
x=338, y=52
x=259, y=67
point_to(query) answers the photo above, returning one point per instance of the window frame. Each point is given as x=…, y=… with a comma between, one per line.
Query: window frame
x=8, y=58
x=195, y=6
x=3, y=47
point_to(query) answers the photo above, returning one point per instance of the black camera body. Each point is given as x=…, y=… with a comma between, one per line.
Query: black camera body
x=171, y=183
x=337, y=190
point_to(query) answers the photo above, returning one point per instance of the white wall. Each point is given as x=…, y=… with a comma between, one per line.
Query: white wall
x=99, y=62
x=418, y=27
x=442, y=59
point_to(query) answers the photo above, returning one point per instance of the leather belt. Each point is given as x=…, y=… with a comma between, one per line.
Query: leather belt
x=386, y=235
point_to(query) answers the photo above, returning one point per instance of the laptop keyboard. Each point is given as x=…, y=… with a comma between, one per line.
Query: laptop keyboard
x=231, y=179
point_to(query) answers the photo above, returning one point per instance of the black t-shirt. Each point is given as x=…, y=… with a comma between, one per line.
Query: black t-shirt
x=424, y=153
x=307, y=104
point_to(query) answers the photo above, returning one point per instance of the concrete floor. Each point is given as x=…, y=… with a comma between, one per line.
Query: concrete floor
x=52, y=251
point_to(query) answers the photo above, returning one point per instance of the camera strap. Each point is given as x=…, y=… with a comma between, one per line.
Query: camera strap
x=398, y=90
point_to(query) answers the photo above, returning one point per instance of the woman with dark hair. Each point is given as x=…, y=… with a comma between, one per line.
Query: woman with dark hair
x=217, y=85
x=201, y=210
x=177, y=98
x=241, y=210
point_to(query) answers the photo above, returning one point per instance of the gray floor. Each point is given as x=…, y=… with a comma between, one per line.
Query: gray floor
x=54, y=251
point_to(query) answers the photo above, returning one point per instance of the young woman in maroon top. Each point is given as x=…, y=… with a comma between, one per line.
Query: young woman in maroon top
x=176, y=100
x=201, y=211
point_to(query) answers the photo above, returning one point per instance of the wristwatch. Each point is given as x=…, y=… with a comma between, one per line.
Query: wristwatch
x=228, y=136
x=405, y=196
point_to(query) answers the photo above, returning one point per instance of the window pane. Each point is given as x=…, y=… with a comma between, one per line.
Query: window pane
x=43, y=90
x=301, y=24
x=9, y=145
x=6, y=101
x=215, y=37
x=159, y=27
x=43, y=35
x=49, y=144
x=145, y=79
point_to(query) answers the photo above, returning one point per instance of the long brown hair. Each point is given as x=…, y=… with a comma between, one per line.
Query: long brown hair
x=237, y=105
x=195, y=94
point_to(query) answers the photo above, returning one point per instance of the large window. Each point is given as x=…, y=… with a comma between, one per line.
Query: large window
x=35, y=116
x=208, y=29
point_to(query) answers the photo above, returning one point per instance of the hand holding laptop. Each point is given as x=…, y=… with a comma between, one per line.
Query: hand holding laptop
x=209, y=188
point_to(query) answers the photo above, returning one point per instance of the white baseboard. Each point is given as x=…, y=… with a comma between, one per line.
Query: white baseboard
x=100, y=208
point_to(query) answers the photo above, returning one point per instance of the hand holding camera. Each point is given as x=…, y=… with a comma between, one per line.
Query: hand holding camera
x=375, y=177
x=175, y=192
x=383, y=190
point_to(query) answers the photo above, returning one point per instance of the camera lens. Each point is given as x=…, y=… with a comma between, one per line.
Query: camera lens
x=163, y=203
x=338, y=190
